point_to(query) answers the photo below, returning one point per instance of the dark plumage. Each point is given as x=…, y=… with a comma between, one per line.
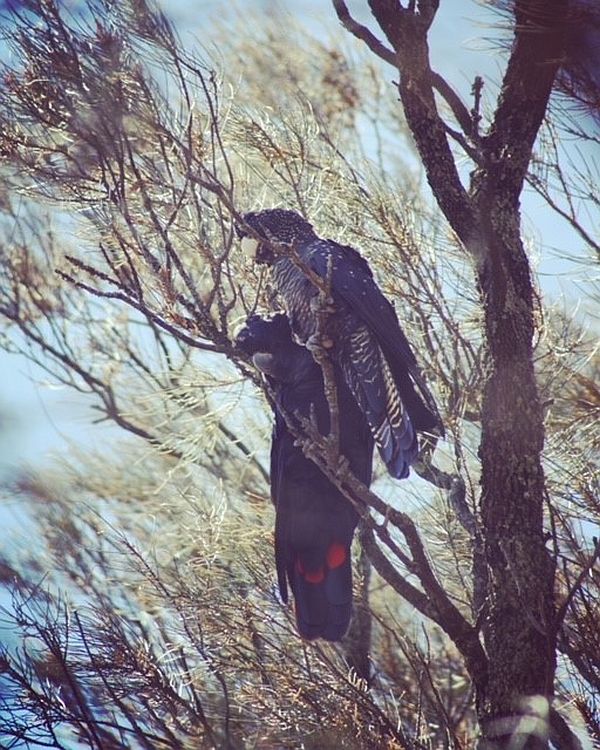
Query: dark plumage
x=369, y=346
x=314, y=521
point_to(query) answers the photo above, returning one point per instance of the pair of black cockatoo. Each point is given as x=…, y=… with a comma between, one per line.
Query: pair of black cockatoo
x=382, y=399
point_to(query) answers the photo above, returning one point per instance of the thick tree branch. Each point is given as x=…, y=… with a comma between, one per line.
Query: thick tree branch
x=397, y=581
x=526, y=87
x=460, y=112
x=407, y=33
x=362, y=32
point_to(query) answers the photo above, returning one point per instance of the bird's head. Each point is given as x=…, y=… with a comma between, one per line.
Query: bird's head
x=264, y=334
x=270, y=344
x=272, y=226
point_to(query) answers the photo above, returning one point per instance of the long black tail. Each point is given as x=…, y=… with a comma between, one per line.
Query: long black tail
x=313, y=536
x=321, y=581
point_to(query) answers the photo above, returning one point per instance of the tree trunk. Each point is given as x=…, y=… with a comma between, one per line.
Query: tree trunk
x=518, y=624
x=518, y=621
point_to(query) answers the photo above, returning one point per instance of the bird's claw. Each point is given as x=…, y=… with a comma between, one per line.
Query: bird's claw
x=316, y=344
x=321, y=304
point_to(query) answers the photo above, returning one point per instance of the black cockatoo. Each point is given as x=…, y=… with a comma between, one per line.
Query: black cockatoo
x=366, y=340
x=314, y=521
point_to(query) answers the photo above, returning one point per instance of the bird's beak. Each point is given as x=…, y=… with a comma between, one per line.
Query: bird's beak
x=264, y=361
x=250, y=247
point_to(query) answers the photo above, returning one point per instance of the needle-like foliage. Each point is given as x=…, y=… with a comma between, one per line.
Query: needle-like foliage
x=143, y=610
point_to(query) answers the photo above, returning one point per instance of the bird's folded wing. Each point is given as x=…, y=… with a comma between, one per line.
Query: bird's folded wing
x=352, y=281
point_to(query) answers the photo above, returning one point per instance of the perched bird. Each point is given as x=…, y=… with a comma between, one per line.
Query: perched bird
x=364, y=337
x=314, y=521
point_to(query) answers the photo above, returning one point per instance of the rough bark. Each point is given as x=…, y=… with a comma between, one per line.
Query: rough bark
x=518, y=624
x=519, y=630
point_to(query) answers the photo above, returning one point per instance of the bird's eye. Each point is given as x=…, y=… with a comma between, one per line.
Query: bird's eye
x=249, y=247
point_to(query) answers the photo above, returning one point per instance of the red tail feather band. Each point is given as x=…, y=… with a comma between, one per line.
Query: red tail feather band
x=317, y=576
x=336, y=555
